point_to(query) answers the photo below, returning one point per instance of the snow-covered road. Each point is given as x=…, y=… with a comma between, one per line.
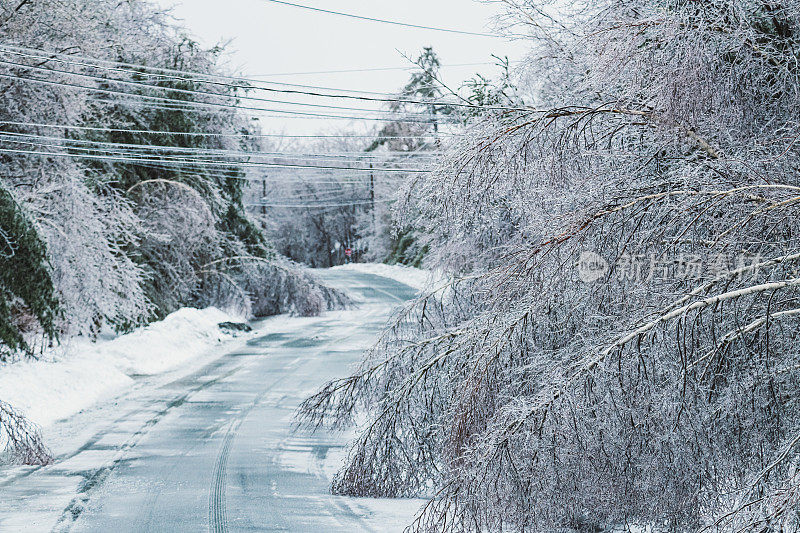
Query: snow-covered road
x=214, y=450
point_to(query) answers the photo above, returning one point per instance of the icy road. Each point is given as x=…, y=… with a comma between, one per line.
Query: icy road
x=214, y=449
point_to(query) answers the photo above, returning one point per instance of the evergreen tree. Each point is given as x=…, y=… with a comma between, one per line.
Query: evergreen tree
x=26, y=285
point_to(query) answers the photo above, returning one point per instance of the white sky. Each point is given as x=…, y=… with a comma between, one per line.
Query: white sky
x=268, y=38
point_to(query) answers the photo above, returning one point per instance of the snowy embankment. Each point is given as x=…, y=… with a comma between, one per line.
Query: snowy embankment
x=413, y=277
x=79, y=373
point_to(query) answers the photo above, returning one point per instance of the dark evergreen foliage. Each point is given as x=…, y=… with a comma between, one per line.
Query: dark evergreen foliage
x=26, y=286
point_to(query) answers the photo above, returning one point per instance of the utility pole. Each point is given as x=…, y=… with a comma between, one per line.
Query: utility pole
x=263, y=198
x=372, y=199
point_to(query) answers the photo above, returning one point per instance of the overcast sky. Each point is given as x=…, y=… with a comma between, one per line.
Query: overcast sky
x=272, y=40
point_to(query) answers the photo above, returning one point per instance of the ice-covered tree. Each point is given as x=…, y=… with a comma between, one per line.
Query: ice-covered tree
x=122, y=182
x=617, y=344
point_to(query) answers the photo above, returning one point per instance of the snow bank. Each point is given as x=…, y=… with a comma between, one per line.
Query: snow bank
x=163, y=345
x=77, y=374
x=49, y=391
x=413, y=277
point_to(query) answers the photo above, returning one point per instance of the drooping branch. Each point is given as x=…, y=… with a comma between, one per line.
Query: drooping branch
x=21, y=440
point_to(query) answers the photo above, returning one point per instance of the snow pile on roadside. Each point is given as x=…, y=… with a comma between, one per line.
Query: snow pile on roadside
x=48, y=391
x=163, y=345
x=77, y=374
x=413, y=277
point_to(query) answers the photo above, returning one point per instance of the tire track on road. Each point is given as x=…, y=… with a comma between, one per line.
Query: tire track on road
x=217, y=519
x=217, y=505
x=78, y=504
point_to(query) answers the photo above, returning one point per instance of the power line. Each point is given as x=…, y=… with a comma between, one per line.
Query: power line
x=353, y=156
x=184, y=105
x=281, y=162
x=210, y=134
x=179, y=90
x=257, y=112
x=353, y=70
x=383, y=21
x=278, y=162
x=209, y=162
x=239, y=86
x=342, y=204
x=317, y=211
x=184, y=91
x=238, y=82
x=318, y=173
x=309, y=176
x=320, y=195
x=297, y=179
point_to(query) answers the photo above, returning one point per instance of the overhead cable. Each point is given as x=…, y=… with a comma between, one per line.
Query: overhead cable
x=384, y=21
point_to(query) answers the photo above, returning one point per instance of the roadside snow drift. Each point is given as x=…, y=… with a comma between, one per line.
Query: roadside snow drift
x=77, y=374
